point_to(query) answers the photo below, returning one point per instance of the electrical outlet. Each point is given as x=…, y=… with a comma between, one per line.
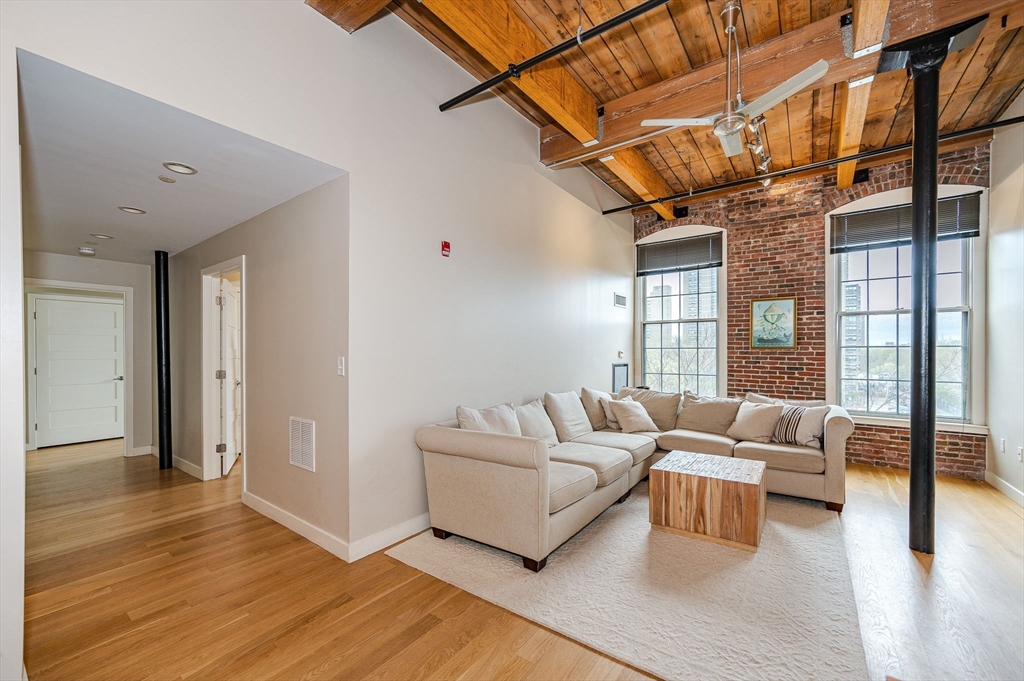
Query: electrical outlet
x=341, y=366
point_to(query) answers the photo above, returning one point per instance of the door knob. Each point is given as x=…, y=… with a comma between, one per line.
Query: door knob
x=119, y=378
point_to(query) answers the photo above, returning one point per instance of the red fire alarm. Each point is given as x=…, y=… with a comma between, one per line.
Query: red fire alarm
x=446, y=248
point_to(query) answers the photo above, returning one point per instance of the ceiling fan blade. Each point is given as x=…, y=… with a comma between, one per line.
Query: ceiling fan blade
x=732, y=144
x=676, y=122
x=786, y=90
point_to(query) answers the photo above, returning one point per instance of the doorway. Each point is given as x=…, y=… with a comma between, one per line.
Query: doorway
x=223, y=368
x=78, y=358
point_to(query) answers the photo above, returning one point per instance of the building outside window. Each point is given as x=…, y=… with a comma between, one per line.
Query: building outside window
x=679, y=285
x=873, y=310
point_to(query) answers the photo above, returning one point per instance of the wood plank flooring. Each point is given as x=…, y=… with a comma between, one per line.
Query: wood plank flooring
x=136, y=573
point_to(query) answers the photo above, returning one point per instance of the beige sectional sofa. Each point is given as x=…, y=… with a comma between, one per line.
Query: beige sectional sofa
x=527, y=492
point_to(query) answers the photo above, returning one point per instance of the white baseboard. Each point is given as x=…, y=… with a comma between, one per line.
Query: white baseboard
x=321, y=538
x=140, y=451
x=375, y=542
x=1006, y=488
x=189, y=467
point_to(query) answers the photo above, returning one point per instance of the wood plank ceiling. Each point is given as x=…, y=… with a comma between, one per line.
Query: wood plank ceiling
x=977, y=84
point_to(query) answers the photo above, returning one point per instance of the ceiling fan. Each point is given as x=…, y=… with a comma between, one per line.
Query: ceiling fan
x=729, y=124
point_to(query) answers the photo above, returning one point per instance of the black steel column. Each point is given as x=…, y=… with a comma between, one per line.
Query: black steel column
x=163, y=362
x=923, y=57
x=924, y=68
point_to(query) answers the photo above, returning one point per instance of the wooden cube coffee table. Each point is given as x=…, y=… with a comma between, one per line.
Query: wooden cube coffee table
x=714, y=498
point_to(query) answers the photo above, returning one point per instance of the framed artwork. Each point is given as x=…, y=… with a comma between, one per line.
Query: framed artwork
x=773, y=323
x=620, y=377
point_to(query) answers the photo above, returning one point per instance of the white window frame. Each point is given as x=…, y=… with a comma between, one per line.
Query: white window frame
x=721, y=335
x=976, y=407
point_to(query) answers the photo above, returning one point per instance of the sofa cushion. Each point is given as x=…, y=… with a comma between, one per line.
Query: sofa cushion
x=535, y=422
x=662, y=407
x=696, y=441
x=632, y=416
x=592, y=404
x=755, y=422
x=640, y=447
x=782, y=457
x=498, y=419
x=567, y=484
x=707, y=414
x=764, y=399
x=609, y=464
x=567, y=414
x=611, y=421
x=801, y=426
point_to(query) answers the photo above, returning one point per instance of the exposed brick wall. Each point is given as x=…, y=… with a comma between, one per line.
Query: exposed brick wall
x=776, y=248
x=961, y=455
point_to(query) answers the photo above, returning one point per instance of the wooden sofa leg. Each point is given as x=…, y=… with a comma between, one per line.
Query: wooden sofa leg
x=624, y=497
x=832, y=506
x=536, y=566
x=441, y=534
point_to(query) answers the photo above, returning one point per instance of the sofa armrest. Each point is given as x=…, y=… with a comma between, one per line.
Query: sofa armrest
x=489, y=487
x=838, y=427
x=507, y=450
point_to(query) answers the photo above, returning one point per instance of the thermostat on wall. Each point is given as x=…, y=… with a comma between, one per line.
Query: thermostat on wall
x=619, y=300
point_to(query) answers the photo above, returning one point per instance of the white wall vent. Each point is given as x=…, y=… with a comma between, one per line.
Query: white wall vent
x=620, y=300
x=302, y=443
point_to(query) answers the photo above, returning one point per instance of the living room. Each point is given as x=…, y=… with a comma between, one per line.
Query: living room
x=476, y=264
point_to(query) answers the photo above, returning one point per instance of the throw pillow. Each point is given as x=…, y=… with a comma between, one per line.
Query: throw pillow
x=764, y=399
x=609, y=415
x=499, y=419
x=662, y=407
x=632, y=416
x=592, y=403
x=707, y=414
x=568, y=415
x=801, y=426
x=755, y=422
x=535, y=422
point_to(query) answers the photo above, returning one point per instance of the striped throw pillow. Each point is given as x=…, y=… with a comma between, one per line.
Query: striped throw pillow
x=801, y=426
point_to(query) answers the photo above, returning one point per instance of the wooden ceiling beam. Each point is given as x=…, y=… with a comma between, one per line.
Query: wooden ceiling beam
x=349, y=14
x=492, y=28
x=869, y=17
x=630, y=166
x=701, y=92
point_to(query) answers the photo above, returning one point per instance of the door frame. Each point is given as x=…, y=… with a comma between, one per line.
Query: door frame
x=211, y=361
x=129, y=359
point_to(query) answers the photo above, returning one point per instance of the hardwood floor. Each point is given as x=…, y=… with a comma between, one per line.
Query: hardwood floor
x=136, y=573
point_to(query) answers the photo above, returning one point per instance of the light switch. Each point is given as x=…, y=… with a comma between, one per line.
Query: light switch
x=341, y=366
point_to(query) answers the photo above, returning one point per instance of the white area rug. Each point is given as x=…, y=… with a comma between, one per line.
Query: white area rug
x=675, y=607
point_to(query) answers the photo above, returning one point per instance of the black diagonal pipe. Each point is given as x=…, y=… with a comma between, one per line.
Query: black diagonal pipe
x=163, y=362
x=925, y=63
x=514, y=70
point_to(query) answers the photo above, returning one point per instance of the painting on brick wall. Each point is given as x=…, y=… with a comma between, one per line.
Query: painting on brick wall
x=773, y=323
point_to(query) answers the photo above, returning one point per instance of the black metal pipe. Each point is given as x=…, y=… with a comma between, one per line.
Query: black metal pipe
x=163, y=362
x=811, y=166
x=514, y=70
x=925, y=63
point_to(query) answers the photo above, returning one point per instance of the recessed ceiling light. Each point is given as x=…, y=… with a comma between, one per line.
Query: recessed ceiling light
x=133, y=211
x=101, y=236
x=164, y=178
x=83, y=250
x=180, y=168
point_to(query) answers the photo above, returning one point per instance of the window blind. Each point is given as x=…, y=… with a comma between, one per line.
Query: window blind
x=959, y=218
x=693, y=253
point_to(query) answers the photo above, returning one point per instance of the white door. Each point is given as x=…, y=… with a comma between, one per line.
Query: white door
x=231, y=386
x=79, y=371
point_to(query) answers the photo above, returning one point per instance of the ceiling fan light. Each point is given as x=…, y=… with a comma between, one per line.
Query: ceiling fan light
x=729, y=124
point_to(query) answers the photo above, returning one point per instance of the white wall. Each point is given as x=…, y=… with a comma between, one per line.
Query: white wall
x=69, y=268
x=296, y=317
x=523, y=306
x=1006, y=308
